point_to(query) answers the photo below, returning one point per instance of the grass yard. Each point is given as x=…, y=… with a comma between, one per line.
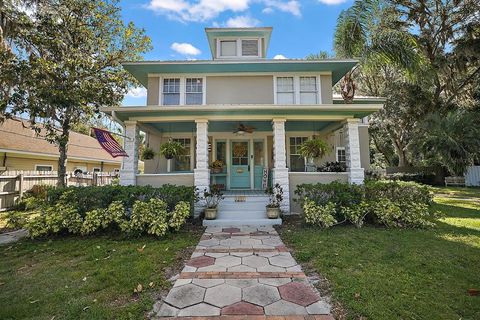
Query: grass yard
x=87, y=278
x=400, y=274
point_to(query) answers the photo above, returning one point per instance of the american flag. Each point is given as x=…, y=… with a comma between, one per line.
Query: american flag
x=109, y=143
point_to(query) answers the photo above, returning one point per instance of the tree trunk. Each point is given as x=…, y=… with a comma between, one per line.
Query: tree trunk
x=62, y=148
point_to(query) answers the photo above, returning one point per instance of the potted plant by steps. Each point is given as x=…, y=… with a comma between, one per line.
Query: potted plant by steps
x=148, y=153
x=212, y=199
x=217, y=166
x=275, y=195
x=313, y=149
x=170, y=150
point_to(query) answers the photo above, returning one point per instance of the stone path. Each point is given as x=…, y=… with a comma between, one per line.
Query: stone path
x=13, y=236
x=240, y=273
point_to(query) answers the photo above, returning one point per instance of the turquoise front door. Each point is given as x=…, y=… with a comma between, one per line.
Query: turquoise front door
x=240, y=168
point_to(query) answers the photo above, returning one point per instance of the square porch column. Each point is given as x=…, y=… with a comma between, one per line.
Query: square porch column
x=129, y=170
x=280, y=170
x=201, y=173
x=356, y=174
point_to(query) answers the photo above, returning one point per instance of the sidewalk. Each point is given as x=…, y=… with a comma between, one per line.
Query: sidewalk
x=244, y=271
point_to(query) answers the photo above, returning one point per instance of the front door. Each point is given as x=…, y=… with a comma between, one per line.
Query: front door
x=240, y=170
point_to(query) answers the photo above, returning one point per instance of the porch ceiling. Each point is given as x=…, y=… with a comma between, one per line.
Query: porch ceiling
x=237, y=113
x=230, y=126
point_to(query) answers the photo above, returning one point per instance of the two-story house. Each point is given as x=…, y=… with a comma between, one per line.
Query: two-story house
x=250, y=112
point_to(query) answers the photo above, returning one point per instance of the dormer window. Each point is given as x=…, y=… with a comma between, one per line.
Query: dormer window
x=228, y=48
x=250, y=48
x=238, y=48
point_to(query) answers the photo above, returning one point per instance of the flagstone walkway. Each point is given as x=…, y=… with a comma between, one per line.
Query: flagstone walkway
x=242, y=273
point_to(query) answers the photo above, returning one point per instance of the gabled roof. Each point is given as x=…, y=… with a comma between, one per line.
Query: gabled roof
x=16, y=136
x=213, y=33
x=141, y=69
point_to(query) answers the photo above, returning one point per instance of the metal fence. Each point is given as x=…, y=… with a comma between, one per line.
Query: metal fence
x=14, y=183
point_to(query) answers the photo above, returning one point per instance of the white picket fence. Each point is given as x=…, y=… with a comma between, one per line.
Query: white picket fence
x=14, y=183
x=472, y=177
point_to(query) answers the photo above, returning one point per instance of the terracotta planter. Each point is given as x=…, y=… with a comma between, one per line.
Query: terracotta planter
x=210, y=213
x=273, y=212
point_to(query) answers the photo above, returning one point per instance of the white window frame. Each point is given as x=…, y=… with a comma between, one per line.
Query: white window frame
x=180, y=92
x=183, y=88
x=336, y=154
x=239, y=48
x=296, y=86
x=44, y=165
x=97, y=168
x=289, y=154
x=203, y=90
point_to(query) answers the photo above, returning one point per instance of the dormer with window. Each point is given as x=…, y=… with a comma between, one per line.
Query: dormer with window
x=238, y=43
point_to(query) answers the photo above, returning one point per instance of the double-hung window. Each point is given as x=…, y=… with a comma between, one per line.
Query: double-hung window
x=308, y=90
x=182, y=162
x=285, y=90
x=171, y=91
x=194, y=91
x=341, y=155
x=297, y=162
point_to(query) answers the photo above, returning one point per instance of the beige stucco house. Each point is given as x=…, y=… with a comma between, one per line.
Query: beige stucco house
x=250, y=112
x=21, y=149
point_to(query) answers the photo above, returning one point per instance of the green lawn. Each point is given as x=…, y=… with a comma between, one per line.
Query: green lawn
x=87, y=278
x=401, y=274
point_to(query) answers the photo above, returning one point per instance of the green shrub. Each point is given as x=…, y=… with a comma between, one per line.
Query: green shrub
x=319, y=215
x=15, y=220
x=134, y=210
x=394, y=204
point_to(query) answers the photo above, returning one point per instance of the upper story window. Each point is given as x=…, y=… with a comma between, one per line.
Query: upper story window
x=194, y=91
x=250, y=48
x=238, y=48
x=228, y=48
x=285, y=90
x=297, y=90
x=171, y=91
x=308, y=90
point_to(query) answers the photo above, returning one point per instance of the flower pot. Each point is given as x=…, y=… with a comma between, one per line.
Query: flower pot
x=210, y=213
x=273, y=212
x=217, y=170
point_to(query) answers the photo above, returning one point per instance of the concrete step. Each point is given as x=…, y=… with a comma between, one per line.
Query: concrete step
x=242, y=222
x=241, y=207
x=241, y=214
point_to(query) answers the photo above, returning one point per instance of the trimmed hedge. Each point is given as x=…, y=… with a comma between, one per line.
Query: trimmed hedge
x=131, y=209
x=388, y=203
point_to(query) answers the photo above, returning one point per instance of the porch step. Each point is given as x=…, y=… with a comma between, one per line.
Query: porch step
x=242, y=222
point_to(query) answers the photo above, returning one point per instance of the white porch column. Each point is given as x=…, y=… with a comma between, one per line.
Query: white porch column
x=280, y=170
x=356, y=174
x=130, y=164
x=201, y=173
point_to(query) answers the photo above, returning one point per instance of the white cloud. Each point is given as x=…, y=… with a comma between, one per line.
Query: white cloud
x=200, y=10
x=332, y=2
x=242, y=22
x=185, y=49
x=205, y=10
x=292, y=6
x=280, y=57
x=138, y=92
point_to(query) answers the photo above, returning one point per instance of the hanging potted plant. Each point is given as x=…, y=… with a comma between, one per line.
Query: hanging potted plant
x=313, y=149
x=217, y=166
x=171, y=149
x=212, y=199
x=148, y=153
x=275, y=195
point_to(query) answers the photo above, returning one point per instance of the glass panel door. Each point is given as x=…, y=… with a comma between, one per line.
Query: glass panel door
x=240, y=169
x=259, y=162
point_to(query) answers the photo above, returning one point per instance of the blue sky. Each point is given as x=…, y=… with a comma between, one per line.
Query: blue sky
x=176, y=27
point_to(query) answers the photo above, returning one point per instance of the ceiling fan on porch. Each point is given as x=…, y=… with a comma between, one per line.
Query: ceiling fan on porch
x=242, y=129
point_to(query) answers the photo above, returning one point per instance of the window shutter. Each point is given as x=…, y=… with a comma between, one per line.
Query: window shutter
x=250, y=48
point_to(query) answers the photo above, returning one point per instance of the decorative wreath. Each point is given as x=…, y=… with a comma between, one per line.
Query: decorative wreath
x=240, y=150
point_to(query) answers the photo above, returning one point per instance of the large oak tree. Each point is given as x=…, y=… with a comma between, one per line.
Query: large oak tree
x=63, y=62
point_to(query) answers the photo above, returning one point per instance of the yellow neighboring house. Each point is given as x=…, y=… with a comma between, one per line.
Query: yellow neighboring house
x=22, y=149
